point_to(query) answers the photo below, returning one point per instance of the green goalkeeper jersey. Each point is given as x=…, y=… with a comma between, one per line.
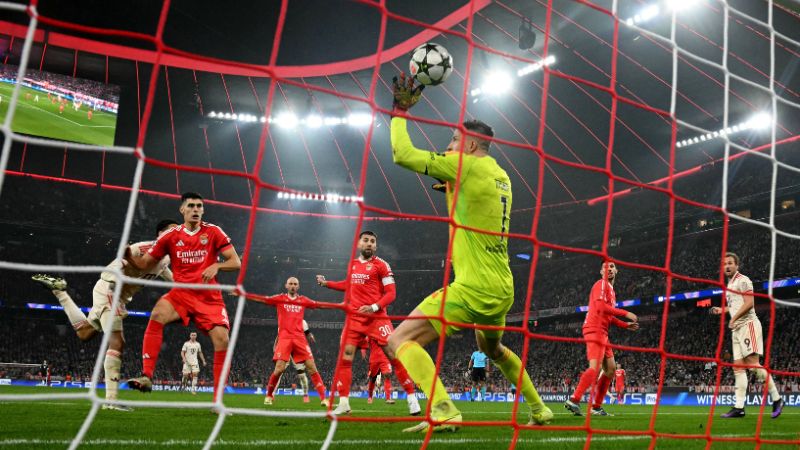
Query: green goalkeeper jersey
x=480, y=261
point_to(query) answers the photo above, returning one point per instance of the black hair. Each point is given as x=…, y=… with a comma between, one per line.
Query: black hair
x=368, y=233
x=164, y=224
x=188, y=195
x=480, y=127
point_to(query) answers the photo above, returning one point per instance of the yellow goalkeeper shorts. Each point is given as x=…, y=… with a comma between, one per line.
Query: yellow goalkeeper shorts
x=466, y=306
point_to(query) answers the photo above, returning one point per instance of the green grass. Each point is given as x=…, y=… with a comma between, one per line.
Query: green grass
x=43, y=119
x=51, y=424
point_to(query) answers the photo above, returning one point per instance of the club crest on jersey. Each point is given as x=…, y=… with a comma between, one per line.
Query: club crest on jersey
x=369, y=267
x=204, y=239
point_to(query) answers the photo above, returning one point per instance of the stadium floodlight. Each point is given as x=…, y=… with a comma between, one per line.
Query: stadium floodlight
x=212, y=114
x=331, y=121
x=530, y=68
x=645, y=15
x=680, y=5
x=359, y=119
x=287, y=120
x=263, y=119
x=760, y=121
x=313, y=121
x=497, y=83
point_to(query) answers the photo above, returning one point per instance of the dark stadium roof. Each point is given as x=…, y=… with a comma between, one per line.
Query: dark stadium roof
x=328, y=32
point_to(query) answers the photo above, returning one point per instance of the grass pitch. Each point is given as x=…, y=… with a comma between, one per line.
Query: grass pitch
x=42, y=118
x=52, y=424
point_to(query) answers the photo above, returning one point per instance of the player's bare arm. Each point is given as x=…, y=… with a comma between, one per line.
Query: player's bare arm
x=202, y=358
x=230, y=264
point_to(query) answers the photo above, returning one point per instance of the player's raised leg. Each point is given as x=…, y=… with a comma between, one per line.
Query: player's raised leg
x=58, y=286
x=510, y=365
x=405, y=381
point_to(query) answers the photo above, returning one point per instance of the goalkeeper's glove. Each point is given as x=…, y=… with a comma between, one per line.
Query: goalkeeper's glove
x=440, y=186
x=405, y=94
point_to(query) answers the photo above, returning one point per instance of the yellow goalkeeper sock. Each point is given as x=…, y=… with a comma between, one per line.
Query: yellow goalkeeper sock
x=510, y=364
x=420, y=367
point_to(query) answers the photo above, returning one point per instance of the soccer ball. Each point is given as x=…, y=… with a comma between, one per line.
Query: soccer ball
x=430, y=64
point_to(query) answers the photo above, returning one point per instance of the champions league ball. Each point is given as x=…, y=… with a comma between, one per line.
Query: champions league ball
x=431, y=64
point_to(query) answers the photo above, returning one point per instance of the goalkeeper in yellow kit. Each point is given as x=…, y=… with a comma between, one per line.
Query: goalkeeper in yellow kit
x=483, y=290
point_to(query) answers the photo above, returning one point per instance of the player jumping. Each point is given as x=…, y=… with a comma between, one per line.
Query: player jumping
x=748, y=345
x=370, y=291
x=194, y=249
x=483, y=290
x=601, y=314
x=102, y=296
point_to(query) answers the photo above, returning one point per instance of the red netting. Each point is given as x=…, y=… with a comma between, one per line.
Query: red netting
x=457, y=26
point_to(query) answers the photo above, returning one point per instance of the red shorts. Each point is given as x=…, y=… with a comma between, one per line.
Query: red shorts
x=205, y=308
x=599, y=349
x=295, y=348
x=379, y=367
x=378, y=329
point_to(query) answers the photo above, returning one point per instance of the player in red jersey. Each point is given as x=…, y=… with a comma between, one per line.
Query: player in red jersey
x=369, y=292
x=194, y=249
x=292, y=342
x=619, y=383
x=379, y=367
x=601, y=314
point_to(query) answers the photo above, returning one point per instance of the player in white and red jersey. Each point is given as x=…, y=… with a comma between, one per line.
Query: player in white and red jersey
x=190, y=352
x=292, y=342
x=748, y=345
x=194, y=249
x=601, y=314
x=619, y=383
x=368, y=293
x=379, y=367
x=100, y=317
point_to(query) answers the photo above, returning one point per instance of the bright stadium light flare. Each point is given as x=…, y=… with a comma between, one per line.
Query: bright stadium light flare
x=313, y=121
x=359, y=119
x=287, y=120
x=497, y=83
x=760, y=121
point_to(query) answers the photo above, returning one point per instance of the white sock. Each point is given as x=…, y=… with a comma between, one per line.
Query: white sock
x=411, y=397
x=740, y=377
x=74, y=314
x=344, y=401
x=303, y=382
x=194, y=383
x=112, y=365
x=762, y=375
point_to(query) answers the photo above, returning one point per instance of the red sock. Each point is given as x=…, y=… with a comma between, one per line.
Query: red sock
x=318, y=385
x=587, y=379
x=601, y=389
x=273, y=381
x=402, y=376
x=219, y=360
x=151, y=346
x=370, y=387
x=344, y=377
x=387, y=386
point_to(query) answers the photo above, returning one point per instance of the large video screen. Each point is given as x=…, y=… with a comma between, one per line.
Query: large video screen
x=61, y=107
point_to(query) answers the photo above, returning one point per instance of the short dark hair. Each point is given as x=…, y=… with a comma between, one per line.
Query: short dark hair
x=188, y=195
x=368, y=233
x=164, y=224
x=480, y=127
x=734, y=256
